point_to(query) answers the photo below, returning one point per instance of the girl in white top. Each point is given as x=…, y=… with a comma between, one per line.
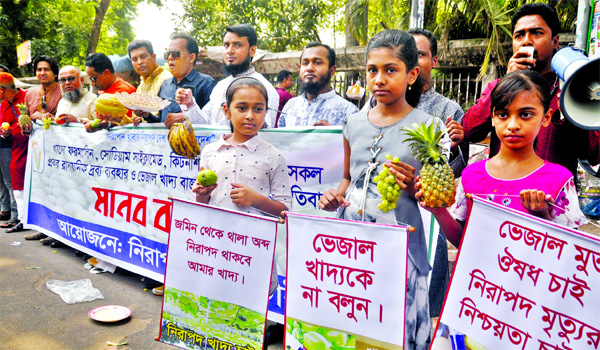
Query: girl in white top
x=253, y=175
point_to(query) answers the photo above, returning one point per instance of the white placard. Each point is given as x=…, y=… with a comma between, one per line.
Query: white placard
x=221, y=254
x=524, y=283
x=349, y=276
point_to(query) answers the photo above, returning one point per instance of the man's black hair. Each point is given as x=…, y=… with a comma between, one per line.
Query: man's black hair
x=429, y=35
x=191, y=44
x=51, y=61
x=4, y=68
x=100, y=62
x=283, y=75
x=330, y=51
x=136, y=44
x=547, y=12
x=243, y=30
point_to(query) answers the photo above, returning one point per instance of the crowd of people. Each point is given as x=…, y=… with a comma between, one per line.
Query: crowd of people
x=533, y=157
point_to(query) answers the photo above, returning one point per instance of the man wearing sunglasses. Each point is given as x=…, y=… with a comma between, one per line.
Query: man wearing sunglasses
x=101, y=72
x=181, y=56
x=42, y=100
x=77, y=104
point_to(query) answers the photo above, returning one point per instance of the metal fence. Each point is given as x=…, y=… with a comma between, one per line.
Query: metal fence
x=459, y=85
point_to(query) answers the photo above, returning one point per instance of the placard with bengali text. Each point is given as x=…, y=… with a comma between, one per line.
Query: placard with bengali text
x=524, y=283
x=217, y=280
x=345, y=284
x=106, y=193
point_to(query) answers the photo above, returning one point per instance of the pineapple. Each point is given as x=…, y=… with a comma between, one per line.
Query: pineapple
x=437, y=178
x=23, y=118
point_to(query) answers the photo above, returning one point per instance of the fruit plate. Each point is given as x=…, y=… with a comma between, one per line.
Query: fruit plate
x=142, y=102
x=109, y=313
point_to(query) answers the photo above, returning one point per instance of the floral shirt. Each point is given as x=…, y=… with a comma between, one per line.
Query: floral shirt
x=551, y=178
x=151, y=85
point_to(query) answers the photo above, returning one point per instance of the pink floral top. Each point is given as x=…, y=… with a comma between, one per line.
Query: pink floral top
x=551, y=178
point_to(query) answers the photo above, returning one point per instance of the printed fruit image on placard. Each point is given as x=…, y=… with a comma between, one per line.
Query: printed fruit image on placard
x=207, y=178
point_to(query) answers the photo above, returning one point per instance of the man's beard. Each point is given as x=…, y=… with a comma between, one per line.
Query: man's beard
x=73, y=96
x=313, y=87
x=235, y=69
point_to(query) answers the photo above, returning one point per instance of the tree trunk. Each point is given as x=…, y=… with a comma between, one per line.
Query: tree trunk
x=350, y=39
x=95, y=35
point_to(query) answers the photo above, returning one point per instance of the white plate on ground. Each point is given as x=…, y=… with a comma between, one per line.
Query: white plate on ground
x=109, y=313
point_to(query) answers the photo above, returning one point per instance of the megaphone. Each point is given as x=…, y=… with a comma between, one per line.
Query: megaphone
x=580, y=93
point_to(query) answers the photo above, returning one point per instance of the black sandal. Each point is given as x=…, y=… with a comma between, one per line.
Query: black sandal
x=16, y=228
x=4, y=216
x=9, y=223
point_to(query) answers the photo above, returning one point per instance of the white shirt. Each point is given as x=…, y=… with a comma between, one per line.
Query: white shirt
x=255, y=163
x=329, y=106
x=82, y=109
x=213, y=110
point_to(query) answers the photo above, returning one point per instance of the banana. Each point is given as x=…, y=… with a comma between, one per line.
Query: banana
x=170, y=139
x=189, y=148
x=191, y=139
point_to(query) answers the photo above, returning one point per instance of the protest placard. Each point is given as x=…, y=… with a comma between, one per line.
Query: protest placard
x=106, y=193
x=345, y=284
x=524, y=283
x=217, y=278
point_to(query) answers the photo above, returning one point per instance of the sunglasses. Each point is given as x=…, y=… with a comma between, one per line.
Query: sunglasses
x=44, y=105
x=174, y=53
x=69, y=79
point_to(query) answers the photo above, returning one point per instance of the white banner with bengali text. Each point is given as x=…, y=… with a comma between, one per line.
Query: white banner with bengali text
x=345, y=277
x=217, y=278
x=524, y=283
x=107, y=193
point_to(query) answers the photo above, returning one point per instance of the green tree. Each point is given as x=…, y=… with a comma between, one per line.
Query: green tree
x=450, y=19
x=62, y=28
x=281, y=25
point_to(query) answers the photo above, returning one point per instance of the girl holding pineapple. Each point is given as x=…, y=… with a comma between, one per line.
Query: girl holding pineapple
x=516, y=177
x=393, y=79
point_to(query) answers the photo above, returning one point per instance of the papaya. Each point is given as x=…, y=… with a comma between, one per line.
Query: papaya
x=109, y=104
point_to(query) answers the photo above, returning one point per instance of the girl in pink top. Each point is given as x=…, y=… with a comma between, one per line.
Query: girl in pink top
x=516, y=177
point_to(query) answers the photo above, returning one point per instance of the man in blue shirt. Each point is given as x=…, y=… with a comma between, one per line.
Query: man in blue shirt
x=181, y=56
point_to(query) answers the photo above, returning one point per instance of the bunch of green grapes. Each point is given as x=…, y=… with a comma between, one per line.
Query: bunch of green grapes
x=387, y=187
x=47, y=123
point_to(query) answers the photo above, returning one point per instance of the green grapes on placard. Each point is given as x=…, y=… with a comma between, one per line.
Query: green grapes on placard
x=387, y=187
x=47, y=123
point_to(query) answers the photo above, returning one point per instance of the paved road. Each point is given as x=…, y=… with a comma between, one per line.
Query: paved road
x=34, y=318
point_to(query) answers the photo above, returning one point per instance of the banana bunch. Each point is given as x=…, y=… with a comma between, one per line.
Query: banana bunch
x=183, y=140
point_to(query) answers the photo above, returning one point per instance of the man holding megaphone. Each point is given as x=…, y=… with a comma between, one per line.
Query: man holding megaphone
x=535, y=41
